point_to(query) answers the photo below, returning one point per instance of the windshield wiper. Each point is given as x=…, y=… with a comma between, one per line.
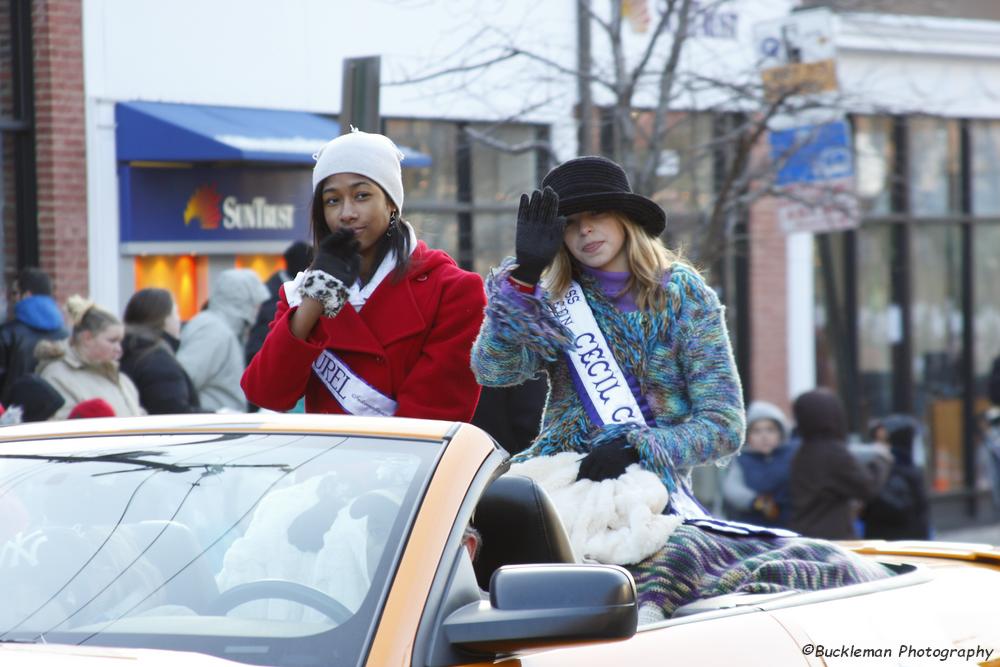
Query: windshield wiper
x=135, y=458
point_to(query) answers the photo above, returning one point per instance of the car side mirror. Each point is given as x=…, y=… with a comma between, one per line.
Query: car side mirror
x=539, y=604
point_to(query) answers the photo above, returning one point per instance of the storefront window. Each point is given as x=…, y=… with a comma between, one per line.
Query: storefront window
x=500, y=177
x=879, y=321
x=832, y=360
x=874, y=159
x=439, y=181
x=264, y=266
x=986, y=255
x=185, y=276
x=493, y=236
x=437, y=230
x=937, y=348
x=986, y=168
x=684, y=165
x=934, y=166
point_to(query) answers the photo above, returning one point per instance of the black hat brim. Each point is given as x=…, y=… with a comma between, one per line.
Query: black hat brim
x=645, y=212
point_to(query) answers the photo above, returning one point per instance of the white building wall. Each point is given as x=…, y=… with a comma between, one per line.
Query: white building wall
x=288, y=55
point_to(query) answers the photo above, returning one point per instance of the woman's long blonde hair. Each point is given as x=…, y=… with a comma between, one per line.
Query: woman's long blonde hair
x=648, y=259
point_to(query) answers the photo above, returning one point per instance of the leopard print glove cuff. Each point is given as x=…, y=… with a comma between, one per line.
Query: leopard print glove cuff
x=326, y=289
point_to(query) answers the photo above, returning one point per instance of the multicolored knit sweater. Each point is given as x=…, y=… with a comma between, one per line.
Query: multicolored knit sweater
x=681, y=357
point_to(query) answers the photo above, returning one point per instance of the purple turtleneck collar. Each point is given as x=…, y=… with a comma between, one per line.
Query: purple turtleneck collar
x=612, y=283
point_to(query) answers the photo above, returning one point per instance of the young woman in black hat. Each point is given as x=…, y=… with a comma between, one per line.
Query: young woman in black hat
x=640, y=370
x=673, y=399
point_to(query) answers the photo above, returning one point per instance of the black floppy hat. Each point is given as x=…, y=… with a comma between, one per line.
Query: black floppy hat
x=594, y=183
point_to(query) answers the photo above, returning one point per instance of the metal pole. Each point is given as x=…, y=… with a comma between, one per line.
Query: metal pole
x=360, y=94
x=968, y=368
x=585, y=105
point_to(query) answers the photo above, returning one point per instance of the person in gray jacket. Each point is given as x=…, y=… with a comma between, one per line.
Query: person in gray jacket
x=211, y=349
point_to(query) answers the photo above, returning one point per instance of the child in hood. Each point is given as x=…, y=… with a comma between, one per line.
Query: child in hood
x=755, y=488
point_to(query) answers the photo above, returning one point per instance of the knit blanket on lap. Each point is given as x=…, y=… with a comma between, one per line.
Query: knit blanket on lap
x=697, y=563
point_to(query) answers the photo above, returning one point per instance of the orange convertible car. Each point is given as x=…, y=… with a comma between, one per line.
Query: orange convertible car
x=295, y=540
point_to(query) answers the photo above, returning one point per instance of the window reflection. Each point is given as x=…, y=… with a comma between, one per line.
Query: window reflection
x=879, y=323
x=684, y=165
x=493, y=236
x=498, y=176
x=987, y=311
x=874, y=152
x=832, y=354
x=985, y=168
x=439, y=181
x=498, y=179
x=437, y=230
x=937, y=348
x=934, y=166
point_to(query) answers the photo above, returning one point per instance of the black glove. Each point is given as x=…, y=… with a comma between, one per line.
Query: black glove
x=539, y=234
x=338, y=256
x=607, y=461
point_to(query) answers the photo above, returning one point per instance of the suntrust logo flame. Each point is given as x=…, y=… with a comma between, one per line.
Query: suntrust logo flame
x=213, y=211
x=204, y=206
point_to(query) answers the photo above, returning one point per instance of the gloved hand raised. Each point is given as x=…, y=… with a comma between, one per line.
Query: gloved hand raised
x=607, y=461
x=338, y=256
x=538, y=235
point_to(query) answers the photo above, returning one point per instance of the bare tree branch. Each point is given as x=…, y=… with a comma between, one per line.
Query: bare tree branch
x=661, y=27
x=514, y=149
x=593, y=16
x=665, y=91
x=508, y=54
x=562, y=69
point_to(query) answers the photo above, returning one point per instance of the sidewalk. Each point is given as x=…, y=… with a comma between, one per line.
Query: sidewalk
x=989, y=534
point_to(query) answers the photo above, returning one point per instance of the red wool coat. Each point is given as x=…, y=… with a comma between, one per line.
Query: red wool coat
x=411, y=341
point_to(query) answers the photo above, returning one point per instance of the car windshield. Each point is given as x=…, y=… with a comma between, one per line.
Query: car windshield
x=262, y=548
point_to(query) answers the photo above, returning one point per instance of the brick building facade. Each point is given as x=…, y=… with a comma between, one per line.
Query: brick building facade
x=44, y=211
x=60, y=154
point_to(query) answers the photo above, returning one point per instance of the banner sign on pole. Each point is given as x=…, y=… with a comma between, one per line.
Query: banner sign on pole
x=815, y=177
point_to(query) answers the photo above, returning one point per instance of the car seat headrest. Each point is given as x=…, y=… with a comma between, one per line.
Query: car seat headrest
x=519, y=525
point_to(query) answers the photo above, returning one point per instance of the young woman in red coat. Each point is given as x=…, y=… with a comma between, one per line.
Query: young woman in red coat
x=379, y=324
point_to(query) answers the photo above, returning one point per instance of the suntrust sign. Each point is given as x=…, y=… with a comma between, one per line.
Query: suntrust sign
x=256, y=214
x=204, y=204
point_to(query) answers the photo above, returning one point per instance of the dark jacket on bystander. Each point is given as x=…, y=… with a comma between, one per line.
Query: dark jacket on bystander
x=825, y=479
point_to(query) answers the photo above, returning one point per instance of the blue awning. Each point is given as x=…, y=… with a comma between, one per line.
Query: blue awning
x=166, y=132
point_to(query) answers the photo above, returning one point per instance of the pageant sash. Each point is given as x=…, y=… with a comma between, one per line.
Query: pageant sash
x=604, y=391
x=356, y=396
x=598, y=378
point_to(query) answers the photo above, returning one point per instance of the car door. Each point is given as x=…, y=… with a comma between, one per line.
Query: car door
x=727, y=638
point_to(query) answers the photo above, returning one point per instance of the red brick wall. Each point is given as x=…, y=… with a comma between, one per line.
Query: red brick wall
x=60, y=144
x=768, y=306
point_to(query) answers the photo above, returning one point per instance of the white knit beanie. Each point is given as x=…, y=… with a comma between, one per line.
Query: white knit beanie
x=759, y=410
x=371, y=155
